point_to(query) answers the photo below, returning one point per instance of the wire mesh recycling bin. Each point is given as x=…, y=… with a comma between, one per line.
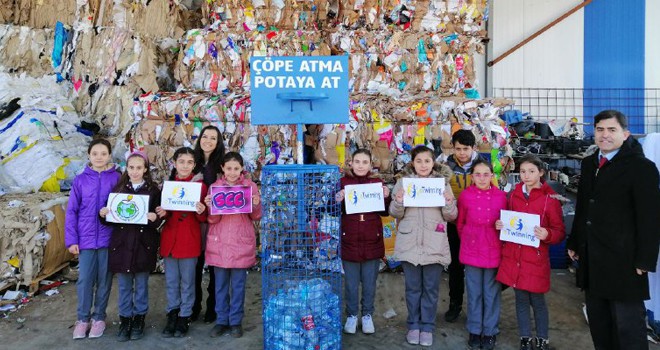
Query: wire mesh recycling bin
x=301, y=263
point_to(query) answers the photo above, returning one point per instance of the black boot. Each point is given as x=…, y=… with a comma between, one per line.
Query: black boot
x=137, y=327
x=124, y=329
x=526, y=343
x=182, y=325
x=454, y=310
x=170, y=328
x=542, y=344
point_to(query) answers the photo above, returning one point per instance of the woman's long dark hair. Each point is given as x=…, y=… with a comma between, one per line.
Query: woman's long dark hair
x=125, y=180
x=211, y=169
x=177, y=154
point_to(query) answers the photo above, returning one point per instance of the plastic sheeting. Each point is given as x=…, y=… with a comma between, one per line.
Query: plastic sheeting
x=39, y=138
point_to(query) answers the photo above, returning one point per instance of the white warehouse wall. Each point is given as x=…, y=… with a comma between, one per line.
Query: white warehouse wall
x=554, y=59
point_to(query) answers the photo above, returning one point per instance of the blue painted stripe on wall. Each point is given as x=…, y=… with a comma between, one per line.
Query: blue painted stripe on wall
x=614, y=34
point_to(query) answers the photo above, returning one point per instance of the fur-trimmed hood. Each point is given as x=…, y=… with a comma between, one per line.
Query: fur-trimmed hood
x=439, y=170
x=349, y=172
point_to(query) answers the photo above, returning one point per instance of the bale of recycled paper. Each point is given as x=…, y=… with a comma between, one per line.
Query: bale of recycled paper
x=31, y=236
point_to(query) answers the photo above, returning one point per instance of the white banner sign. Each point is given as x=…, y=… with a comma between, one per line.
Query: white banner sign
x=180, y=195
x=423, y=192
x=519, y=227
x=127, y=208
x=364, y=198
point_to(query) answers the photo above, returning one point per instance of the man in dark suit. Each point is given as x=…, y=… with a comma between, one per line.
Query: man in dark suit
x=615, y=234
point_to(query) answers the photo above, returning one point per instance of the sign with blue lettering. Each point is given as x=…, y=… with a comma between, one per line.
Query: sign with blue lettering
x=423, y=192
x=299, y=90
x=519, y=227
x=364, y=198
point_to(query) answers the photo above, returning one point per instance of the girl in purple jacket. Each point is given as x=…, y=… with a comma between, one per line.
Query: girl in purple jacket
x=479, y=207
x=88, y=238
x=362, y=246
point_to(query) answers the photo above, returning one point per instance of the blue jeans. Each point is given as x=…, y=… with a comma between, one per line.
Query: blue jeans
x=524, y=300
x=483, y=295
x=229, y=306
x=133, y=296
x=422, y=289
x=93, y=272
x=354, y=273
x=180, y=284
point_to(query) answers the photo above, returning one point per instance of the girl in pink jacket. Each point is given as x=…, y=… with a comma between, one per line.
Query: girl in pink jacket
x=479, y=207
x=231, y=247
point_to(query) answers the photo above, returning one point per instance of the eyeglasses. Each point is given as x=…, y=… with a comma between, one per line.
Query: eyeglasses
x=482, y=176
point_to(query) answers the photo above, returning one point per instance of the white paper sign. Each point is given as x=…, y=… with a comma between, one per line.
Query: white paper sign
x=364, y=198
x=423, y=192
x=180, y=195
x=519, y=227
x=127, y=208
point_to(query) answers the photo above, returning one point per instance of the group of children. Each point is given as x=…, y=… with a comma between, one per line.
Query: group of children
x=423, y=248
x=130, y=250
x=228, y=243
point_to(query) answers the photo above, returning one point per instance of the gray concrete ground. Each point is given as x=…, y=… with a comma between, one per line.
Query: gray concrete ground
x=47, y=322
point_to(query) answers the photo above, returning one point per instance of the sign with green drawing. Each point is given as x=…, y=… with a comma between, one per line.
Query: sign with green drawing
x=128, y=208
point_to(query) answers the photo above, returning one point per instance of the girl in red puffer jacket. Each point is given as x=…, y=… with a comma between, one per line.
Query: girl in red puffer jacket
x=362, y=246
x=526, y=268
x=180, y=246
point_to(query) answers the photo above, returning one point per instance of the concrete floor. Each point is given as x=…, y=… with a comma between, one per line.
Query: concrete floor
x=48, y=321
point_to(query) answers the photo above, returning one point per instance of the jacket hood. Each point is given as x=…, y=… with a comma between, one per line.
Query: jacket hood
x=439, y=170
x=370, y=175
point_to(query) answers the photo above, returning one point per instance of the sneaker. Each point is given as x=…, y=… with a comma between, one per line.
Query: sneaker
x=488, y=342
x=81, y=329
x=368, y=325
x=526, y=343
x=454, y=310
x=542, y=344
x=425, y=338
x=98, y=327
x=351, y=324
x=413, y=336
x=474, y=342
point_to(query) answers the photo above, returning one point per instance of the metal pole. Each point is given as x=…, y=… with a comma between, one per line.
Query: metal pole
x=300, y=144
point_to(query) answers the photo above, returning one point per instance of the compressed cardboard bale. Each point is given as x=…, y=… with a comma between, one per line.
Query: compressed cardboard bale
x=25, y=236
x=26, y=50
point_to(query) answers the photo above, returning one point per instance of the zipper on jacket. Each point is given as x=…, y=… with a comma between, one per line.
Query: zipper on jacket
x=98, y=195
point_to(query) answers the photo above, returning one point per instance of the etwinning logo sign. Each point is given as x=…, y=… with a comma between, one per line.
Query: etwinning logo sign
x=423, y=192
x=411, y=191
x=519, y=227
x=516, y=223
x=364, y=198
x=178, y=192
x=353, y=197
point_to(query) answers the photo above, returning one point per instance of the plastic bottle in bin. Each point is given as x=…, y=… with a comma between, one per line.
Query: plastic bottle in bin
x=309, y=327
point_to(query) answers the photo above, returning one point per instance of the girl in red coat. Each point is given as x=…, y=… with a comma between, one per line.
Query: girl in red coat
x=180, y=246
x=525, y=268
x=362, y=246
